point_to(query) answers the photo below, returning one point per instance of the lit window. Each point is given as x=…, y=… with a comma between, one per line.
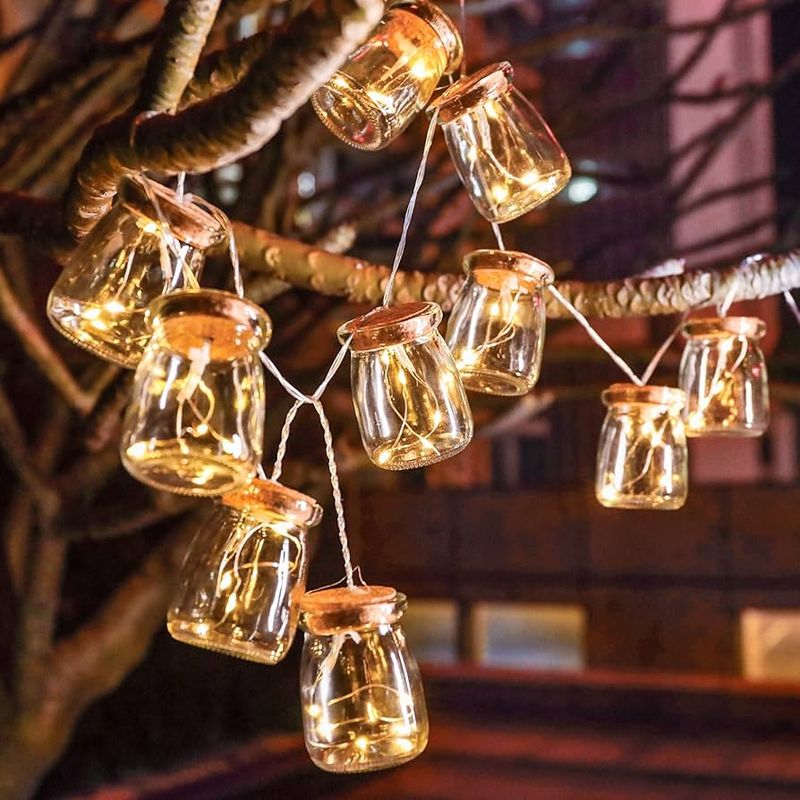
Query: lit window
x=771, y=644
x=431, y=627
x=529, y=635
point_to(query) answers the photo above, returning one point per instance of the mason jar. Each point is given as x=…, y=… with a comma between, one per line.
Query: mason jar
x=195, y=422
x=724, y=375
x=496, y=328
x=384, y=84
x=506, y=156
x=245, y=572
x=360, y=688
x=410, y=404
x=642, y=457
x=133, y=255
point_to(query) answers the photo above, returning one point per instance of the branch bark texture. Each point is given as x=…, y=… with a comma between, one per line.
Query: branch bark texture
x=228, y=126
x=358, y=281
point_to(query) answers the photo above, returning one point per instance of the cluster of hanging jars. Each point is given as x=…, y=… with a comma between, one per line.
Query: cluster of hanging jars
x=131, y=294
x=642, y=458
x=195, y=425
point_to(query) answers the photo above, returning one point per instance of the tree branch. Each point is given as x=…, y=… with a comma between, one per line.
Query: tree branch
x=180, y=40
x=40, y=351
x=228, y=126
x=358, y=281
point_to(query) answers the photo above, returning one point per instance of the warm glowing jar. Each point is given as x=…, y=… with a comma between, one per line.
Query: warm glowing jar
x=496, y=329
x=100, y=299
x=724, y=375
x=642, y=456
x=411, y=406
x=360, y=688
x=245, y=573
x=386, y=82
x=195, y=422
x=506, y=156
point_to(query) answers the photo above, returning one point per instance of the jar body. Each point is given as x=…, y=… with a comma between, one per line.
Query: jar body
x=725, y=380
x=506, y=156
x=642, y=459
x=194, y=425
x=100, y=299
x=240, y=585
x=496, y=332
x=362, y=699
x=385, y=83
x=410, y=404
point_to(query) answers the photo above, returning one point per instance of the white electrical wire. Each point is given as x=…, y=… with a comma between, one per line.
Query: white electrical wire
x=412, y=202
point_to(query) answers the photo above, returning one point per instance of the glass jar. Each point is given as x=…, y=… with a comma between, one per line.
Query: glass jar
x=360, y=687
x=506, y=156
x=642, y=457
x=724, y=375
x=244, y=575
x=409, y=400
x=496, y=329
x=195, y=423
x=374, y=97
x=100, y=299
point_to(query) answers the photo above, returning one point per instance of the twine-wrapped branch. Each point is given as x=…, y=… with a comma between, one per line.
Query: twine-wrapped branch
x=230, y=125
x=358, y=281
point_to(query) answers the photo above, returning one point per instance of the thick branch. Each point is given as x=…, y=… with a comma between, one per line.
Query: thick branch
x=358, y=281
x=228, y=126
x=180, y=40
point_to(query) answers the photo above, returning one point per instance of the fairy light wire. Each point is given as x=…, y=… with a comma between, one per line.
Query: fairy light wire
x=412, y=202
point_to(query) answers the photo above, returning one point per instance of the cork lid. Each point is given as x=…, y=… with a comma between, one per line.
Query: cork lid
x=390, y=325
x=443, y=26
x=473, y=90
x=629, y=393
x=198, y=226
x=348, y=608
x=723, y=327
x=270, y=498
x=488, y=267
x=230, y=325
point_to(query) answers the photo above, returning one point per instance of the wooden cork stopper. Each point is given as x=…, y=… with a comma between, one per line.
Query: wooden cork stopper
x=343, y=608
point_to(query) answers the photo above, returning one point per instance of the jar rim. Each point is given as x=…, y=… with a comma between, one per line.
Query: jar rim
x=232, y=325
x=328, y=611
x=473, y=90
x=268, y=495
x=522, y=264
x=444, y=28
x=645, y=395
x=705, y=327
x=202, y=226
x=386, y=326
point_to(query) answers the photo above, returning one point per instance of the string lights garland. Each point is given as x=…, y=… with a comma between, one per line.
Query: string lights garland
x=196, y=418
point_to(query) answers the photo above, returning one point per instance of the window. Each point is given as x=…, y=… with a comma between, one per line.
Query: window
x=431, y=627
x=771, y=644
x=529, y=635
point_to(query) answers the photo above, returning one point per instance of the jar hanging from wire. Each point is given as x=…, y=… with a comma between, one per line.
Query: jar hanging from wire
x=724, y=375
x=506, y=156
x=384, y=84
x=195, y=422
x=149, y=244
x=496, y=328
x=244, y=575
x=409, y=400
x=642, y=456
x=360, y=688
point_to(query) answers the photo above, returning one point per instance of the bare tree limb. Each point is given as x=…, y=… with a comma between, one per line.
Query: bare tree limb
x=228, y=126
x=41, y=352
x=180, y=41
x=308, y=267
